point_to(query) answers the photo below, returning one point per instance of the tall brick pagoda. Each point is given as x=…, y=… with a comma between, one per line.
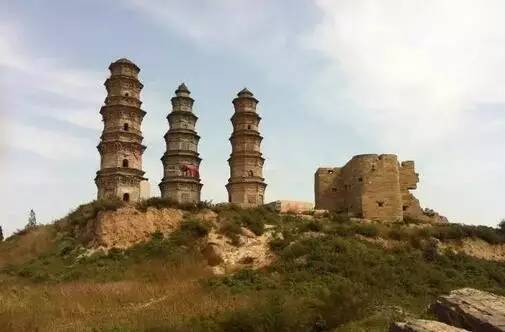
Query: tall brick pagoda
x=246, y=185
x=121, y=175
x=181, y=161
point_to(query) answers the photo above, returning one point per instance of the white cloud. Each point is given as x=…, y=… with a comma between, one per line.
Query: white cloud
x=48, y=143
x=50, y=75
x=207, y=22
x=414, y=65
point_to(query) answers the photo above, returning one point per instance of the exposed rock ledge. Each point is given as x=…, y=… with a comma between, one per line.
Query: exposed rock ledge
x=421, y=325
x=476, y=248
x=253, y=251
x=472, y=309
x=127, y=226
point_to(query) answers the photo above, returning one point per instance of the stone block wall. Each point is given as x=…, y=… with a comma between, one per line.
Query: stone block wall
x=369, y=186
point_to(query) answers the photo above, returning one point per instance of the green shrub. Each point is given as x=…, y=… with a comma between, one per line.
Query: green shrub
x=501, y=226
x=76, y=220
x=459, y=232
x=397, y=233
x=368, y=230
x=164, y=203
x=339, y=217
x=195, y=228
x=232, y=229
x=430, y=250
x=313, y=226
x=255, y=223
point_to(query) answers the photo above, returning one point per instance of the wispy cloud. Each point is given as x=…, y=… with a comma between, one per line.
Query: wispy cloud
x=415, y=67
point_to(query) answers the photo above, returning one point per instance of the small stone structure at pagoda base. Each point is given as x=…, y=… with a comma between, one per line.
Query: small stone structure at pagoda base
x=121, y=175
x=246, y=185
x=372, y=186
x=181, y=161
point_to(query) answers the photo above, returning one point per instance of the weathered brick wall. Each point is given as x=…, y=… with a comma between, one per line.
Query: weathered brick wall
x=381, y=197
x=370, y=186
x=327, y=189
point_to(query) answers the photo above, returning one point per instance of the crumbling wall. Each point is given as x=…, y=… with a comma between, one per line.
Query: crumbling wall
x=371, y=186
x=380, y=192
x=328, y=189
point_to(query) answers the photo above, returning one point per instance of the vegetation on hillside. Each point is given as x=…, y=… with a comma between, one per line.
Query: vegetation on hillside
x=330, y=274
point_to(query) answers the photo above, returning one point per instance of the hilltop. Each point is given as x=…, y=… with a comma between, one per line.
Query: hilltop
x=223, y=268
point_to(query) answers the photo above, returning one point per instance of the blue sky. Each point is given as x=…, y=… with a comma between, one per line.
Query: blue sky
x=424, y=80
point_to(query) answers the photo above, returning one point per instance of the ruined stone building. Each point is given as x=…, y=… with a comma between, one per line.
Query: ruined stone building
x=371, y=186
x=246, y=185
x=121, y=175
x=181, y=161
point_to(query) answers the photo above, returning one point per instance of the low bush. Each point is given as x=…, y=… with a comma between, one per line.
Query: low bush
x=312, y=226
x=459, y=232
x=368, y=230
x=253, y=219
x=163, y=203
x=232, y=229
x=86, y=212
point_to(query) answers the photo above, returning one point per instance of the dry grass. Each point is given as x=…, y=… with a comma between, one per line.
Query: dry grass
x=168, y=299
x=30, y=245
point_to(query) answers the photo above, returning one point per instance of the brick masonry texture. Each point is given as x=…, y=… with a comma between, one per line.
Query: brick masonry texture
x=246, y=185
x=120, y=175
x=181, y=161
x=371, y=186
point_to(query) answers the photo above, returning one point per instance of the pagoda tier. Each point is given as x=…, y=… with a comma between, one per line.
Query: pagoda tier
x=246, y=185
x=181, y=161
x=121, y=175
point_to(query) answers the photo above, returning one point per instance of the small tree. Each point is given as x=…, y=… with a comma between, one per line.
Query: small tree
x=501, y=225
x=1, y=234
x=32, y=220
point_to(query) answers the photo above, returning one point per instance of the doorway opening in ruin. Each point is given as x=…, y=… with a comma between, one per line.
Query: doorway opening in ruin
x=126, y=197
x=125, y=127
x=250, y=173
x=249, y=127
x=125, y=162
x=380, y=203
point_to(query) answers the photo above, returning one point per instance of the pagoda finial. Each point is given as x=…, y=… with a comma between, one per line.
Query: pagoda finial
x=182, y=90
x=245, y=92
x=124, y=61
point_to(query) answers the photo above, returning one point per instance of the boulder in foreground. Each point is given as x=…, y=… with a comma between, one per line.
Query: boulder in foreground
x=421, y=325
x=472, y=309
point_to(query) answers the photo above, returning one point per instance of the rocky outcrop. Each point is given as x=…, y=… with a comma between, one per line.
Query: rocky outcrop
x=476, y=248
x=252, y=252
x=472, y=309
x=128, y=226
x=421, y=325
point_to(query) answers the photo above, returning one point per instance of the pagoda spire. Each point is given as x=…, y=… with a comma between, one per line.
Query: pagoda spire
x=121, y=175
x=246, y=185
x=181, y=161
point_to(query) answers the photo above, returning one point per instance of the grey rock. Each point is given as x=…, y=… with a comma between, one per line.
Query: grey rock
x=472, y=309
x=421, y=325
